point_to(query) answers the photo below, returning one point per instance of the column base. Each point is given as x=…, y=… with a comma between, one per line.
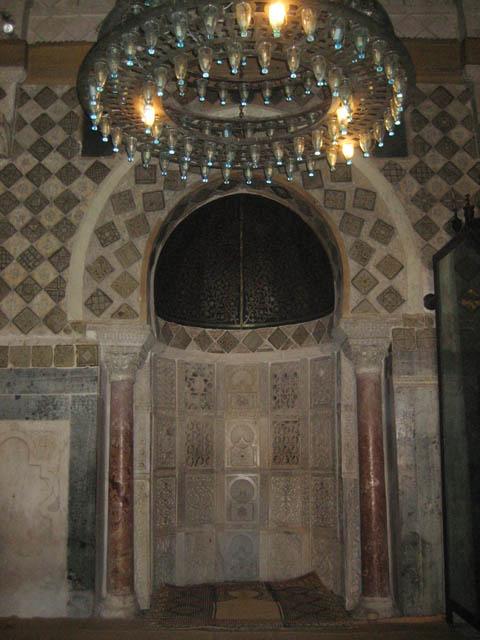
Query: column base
x=115, y=606
x=375, y=609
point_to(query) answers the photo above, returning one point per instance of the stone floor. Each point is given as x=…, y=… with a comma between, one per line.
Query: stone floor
x=63, y=629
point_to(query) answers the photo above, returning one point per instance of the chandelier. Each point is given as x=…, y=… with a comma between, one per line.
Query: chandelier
x=245, y=86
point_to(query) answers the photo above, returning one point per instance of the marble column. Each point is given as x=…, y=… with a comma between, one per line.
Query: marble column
x=376, y=597
x=120, y=600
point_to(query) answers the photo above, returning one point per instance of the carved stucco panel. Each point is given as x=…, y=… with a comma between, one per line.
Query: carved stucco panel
x=199, y=499
x=322, y=382
x=199, y=443
x=165, y=502
x=242, y=443
x=164, y=384
x=287, y=442
x=286, y=393
x=324, y=502
x=198, y=387
x=242, y=499
x=287, y=500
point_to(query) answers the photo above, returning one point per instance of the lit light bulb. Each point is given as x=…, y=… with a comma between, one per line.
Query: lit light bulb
x=157, y=128
x=379, y=132
x=278, y=152
x=105, y=127
x=337, y=31
x=293, y=60
x=343, y=116
x=131, y=147
x=100, y=69
x=243, y=14
x=160, y=76
x=148, y=116
x=234, y=52
x=332, y=155
x=210, y=19
x=150, y=29
x=348, y=151
x=277, y=16
x=317, y=141
x=309, y=22
x=264, y=53
x=226, y=172
x=205, y=60
x=378, y=52
x=366, y=144
x=117, y=136
x=319, y=68
x=268, y=170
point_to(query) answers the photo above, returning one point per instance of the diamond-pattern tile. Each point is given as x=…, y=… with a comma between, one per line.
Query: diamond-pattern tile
x=361, y=252
x=22, y=97
x=181, y=339
x=444, y=122
x=342, y=173
x=203, y=340
x=56, y=289
x=30, y=259
x=334, y=199
x=351, y=225
x=468, y=122
x=28, y=289
x=252, y=341
x=42, y=124
x=9, y=175
x=107, y=234
x=4, y=289
x=123, y=201
x=127, y=255
x=364, y=281
x=36, y=202
x=70, y=122
x=153, y=201
x=56, y=319
x=278, y=338
x=418, y=120
x=452, y=200
x=450, y=173
x=441, y=97
x=124, y=285
x=69, y=148
x=426, y=228
x=390, y=299
x=138, y=226
x=7, y=230
x=319, y=331
x=60, y=259
x=420, y=146
x=66, y=201
x=45, y=97
x=100, y=268
x=5, y=258
x=68, y=174
x=70, y=98
x=474, y=173
x=393, y=172
x=39, y=174
x=124, y=312
x=97, y=172
x=300, y=335
x=228, y=341
x=382, y=232
x=33, y=230
x=424, y=200
x=63, y=230
x=421, y=172
x=98, y=302
x=8, y=202
x=447, y=147
x=40, y=149
x=26, y=320
x=145, y=175
x=364, y=199
x=389, y=266
x=3, y=320
x=471, y=148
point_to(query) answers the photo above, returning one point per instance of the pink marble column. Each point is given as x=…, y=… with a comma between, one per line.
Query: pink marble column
x=368, y=358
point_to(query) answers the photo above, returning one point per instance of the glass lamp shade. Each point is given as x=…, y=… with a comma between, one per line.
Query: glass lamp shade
x=366, y=143
x=319, y=68
x=308, y=83
x=180, y=62
x=277, y=16
x=202, y=85
x=299, y=147
x=244, y=91
x=288, y=90
x=150, y=29
x=187, y=149
x=205, y=171
x=247, y=172
x=278, y=152
x=255, y=155
x=113, y=61
x=335, y=79
x=379, y=132
x=209, y=154
x=148, y=116
x=101, y=72
x=389, y=123
x=171, y=140
x=311, y=166
x=105, y=127
x=400, y=83
x=360, y=40
x=148, y=91
x=345, y=91
x=163, y=161
x=309, y=22
x=337, y=31
x=146, y=157
x=264, y=53
x=230, y=156
x=180, y=27
x=348, y=150
x=131, y=147
x=210, y=19
x=333, y=129
x=268, y=170
x=117, y=136
x=157, y=128
x=343, y=116
x=293, y=60
x=266, y=93
x=378, y=53
x=332, y=155
x=234, y=52
x=183, y=168
x=317, y=141
x=129, y=45
x=226, y=173
x=223, y=95
x=160, y=77
x=391, y=61
x=243, y=14
x=290, y=168
x=205, y=60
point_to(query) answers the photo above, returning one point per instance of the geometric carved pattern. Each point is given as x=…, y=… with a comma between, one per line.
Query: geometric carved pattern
x=286, y=443
x=164, y=502
x=285, y=386
x=199, y=443
x=286, y=500
x=323, y=502
x=322, y=385
x=199, y=389
x=199, y=499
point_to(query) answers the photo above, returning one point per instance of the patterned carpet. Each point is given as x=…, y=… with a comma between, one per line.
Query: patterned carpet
x=299, y=603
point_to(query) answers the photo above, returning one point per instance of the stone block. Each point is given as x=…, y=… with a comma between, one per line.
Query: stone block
x=19, y=357
x=64, y=355
x=3, y=357
x=404, y=339
x=87, y=355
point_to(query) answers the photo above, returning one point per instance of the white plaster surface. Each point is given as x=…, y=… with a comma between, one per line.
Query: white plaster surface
x=33, y=525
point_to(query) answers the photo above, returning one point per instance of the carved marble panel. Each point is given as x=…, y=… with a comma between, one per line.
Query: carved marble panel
x=199, y=556
x=164, y=548
x=199, y=443
x=242, y=499
x=241, y=385
x=326, y=561
x=322, y=429
x=164, y=441
x=322, y=383
x=164, y=384
x=164, y=502
x=323, y=502
x=141, y=448
x=286, y=442
x=33, y=526
x=199, y=499
x=285, y=379
x=242, y=443
x=287, y=500
x=199, y=386
x=238, y=555
x=142, y=541
x=285, y=555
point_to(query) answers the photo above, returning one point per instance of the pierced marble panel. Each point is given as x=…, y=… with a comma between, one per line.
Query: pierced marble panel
x=322, y=383
x=199, y=449
x=199, y=387
x=199, y=499
x=242, y=499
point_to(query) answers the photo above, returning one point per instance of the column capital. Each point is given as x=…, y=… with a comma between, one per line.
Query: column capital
x=121, y=363
x=366, y=342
